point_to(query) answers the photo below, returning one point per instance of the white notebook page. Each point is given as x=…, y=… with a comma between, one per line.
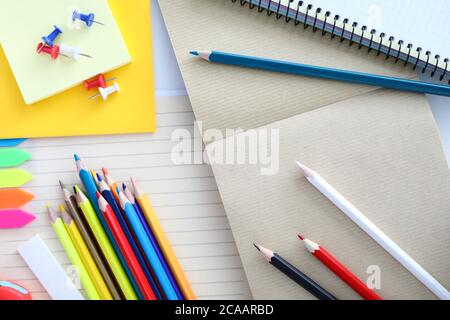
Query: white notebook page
x=420, y=22
x=185, y=198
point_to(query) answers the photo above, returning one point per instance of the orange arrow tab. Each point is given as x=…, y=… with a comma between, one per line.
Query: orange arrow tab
x=14, y=198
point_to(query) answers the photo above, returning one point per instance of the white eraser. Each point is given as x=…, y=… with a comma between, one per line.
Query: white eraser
x=48, y=270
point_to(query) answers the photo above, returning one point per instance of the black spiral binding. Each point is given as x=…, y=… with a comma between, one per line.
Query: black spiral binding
x=310, y=19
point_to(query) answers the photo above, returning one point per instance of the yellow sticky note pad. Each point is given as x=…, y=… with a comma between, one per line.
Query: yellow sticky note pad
x=23, y=23
x=71, y=113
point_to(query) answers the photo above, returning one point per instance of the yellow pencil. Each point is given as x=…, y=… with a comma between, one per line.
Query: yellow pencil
x=85, y=255
x=72, y=254
x=105, y=245
x=164, y=243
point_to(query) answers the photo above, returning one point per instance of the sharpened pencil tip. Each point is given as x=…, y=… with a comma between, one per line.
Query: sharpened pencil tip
x=53, y=215
x=105, y=171
x=124, y=186
x=301, y=237
x=307, y=172
x=194, y=53
x=63, y=186
x=99, y=177
x=76, y=157
x=256, y=246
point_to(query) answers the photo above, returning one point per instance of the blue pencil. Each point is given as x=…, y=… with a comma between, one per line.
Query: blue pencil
x=324, y=73
x=109, y=197
x=147, y=247
x=152, y=240
x=91, y=190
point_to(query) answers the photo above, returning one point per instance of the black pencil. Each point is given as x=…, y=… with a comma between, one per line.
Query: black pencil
x=292, y=272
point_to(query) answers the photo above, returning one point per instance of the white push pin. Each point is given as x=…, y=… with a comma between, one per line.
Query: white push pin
x=72, y=52
x=105, y=92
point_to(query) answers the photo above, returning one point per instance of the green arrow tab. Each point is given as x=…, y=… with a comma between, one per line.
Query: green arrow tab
x=13, y=157
x=13, y=178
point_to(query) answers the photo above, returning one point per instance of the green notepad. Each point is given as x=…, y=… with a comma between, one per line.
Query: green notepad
x=24, y=22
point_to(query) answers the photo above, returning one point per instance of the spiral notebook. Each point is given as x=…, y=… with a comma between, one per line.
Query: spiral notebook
x=372, y=24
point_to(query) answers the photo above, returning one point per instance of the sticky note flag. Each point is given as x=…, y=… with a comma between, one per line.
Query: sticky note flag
x=11, y=219
x=14, y=198
x=11, y=142
x=13, y=178
x=10, y=157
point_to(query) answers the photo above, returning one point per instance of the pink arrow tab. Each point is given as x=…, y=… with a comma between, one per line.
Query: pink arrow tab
x=14, y=218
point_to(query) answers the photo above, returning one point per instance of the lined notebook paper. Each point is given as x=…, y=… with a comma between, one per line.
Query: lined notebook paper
x=185, y=198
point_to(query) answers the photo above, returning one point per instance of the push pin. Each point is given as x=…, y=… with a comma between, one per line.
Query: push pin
x=97, y=82
x=63, y=50
x=105, y=92
x=48, y=40
x=54, y=51
x=89, y=19
x=71, y=52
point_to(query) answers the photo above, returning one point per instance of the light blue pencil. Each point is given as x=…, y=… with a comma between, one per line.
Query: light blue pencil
x=147, y=247
x=324, y=73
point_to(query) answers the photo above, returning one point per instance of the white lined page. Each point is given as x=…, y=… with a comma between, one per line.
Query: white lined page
x=185, y=198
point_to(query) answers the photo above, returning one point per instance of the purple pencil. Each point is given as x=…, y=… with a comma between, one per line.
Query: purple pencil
x=150, y=235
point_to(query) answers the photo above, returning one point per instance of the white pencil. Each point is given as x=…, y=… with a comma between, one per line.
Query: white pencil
x=372, y=230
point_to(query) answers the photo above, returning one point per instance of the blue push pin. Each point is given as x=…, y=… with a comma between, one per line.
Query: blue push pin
x=48, y=40
x=89, y=19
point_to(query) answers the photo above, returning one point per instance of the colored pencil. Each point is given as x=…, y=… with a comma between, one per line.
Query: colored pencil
x=125, y=247
x=111, y=182
x=107, y=194
x=85, y=255
x=91, y=191
x=94, y=177
x=323, y=73
x=339, y=269
x=372, y=230
x=163, y=241
x=150, y=235
x=106, y=247
x=149, y=251
x=292, y=272
x=72, y=254
x=91, y=243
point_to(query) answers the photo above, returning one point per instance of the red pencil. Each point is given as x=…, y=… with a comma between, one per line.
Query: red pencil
x=340, y=270
x=125, y=248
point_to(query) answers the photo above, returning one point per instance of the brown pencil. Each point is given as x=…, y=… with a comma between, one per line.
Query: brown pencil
x=90, y=242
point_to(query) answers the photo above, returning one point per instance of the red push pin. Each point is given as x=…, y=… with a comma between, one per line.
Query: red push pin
x=54, y=51
x=97, y=82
